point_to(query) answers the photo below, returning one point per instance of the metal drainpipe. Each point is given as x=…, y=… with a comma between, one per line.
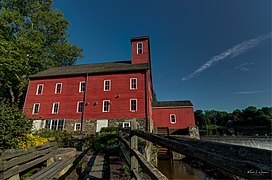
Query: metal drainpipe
x=84, y=103
x=146, y=104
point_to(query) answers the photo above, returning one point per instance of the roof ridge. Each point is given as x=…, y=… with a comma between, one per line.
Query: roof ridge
x=79, y=69
x=172, y=103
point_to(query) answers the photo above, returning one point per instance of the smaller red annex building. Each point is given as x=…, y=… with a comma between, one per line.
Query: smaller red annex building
x=92, y=96
x=173, y=115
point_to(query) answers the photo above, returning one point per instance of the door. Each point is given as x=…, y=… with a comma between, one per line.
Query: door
x=37, y=124
x=100, y=124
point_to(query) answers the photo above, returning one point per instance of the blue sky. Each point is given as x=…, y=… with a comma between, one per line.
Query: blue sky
x=215, y=53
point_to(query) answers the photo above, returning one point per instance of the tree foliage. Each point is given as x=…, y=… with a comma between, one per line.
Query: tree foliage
x=154, y=97
x=13, y=126
x=249, y=121
x=33, y=37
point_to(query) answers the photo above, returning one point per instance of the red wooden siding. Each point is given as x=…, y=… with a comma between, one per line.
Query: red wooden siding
x=184, y=117
x=119, y=96
x=140, y=58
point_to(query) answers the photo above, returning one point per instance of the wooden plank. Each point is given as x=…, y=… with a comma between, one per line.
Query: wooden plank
x=153, y=172
x=125, y=142
x=46, y=151
x=242, y=161
x=11, y=153
x=123, y=151
x=133, y=146
x=65, y=168
x=44, y=170
x=25, y=158
x=136, y=175
x=18, y=169
x=54, y=170
x=46, y=145
x=18, y=160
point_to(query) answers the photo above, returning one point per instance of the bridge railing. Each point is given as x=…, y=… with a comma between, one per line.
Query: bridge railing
x=129, y=149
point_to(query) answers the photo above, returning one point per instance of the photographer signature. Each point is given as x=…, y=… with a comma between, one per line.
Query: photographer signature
x=254, y=171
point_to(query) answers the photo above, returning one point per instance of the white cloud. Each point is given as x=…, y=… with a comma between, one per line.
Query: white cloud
x=249, y=92
x=245, y=67
x=230, y=53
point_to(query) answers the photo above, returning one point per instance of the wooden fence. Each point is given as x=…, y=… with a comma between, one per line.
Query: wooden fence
x=134, y=158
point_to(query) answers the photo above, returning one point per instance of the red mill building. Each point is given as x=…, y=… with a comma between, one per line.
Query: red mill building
x=93, y=96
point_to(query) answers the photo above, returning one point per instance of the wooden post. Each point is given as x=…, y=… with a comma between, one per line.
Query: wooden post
x=49, y=161
x=133, y=145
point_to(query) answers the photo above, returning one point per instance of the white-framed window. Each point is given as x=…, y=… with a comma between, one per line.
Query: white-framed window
x=77, y=127
x=58, y=88
x=55, y=124
x=82, y=86
x=133, y=105
x=173, y=118
x=107, y=84
x=133, y=83
x=36, y=108
x=39, y=90
x=55, y=108
x=126, y=125
x=139, y=48
x=106, y=106
x=80, y=106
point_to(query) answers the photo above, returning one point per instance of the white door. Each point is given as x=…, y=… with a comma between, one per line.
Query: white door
x=37, y=124
x=100, y=124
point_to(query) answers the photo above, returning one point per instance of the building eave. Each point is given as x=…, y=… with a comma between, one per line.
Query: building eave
x=172, y=107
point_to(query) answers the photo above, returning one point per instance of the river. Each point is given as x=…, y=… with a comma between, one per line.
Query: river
x=180, y=170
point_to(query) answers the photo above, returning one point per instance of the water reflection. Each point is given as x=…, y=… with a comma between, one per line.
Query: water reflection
x=180, y=170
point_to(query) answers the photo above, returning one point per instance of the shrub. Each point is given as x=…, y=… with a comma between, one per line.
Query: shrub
x=107, y=139
x=13, y=125
x=86, y=144
x=111, y=129
x=61, y=137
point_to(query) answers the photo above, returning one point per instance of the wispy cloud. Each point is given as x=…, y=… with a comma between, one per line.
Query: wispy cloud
x=245, y=67
x=230, y=53
x=249, y=92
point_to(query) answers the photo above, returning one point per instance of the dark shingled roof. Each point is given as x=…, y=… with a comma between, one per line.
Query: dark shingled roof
x=172, y=103
x=110, y=67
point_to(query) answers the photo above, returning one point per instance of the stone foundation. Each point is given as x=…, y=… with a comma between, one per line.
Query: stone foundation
x=90, y=124
x=194, y=132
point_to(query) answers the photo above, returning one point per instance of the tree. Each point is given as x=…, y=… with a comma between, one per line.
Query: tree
x=249, y=114
x=199, y=118
x=154, y=97
x=13, y=125
x=33, y=37
x=264, y=117
x=249, y=121
x=236, y=115
x=210, y=116
x=221, y=118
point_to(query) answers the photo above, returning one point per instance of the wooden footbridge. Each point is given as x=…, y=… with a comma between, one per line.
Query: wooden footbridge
x=246, y=162
x=241, y=161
